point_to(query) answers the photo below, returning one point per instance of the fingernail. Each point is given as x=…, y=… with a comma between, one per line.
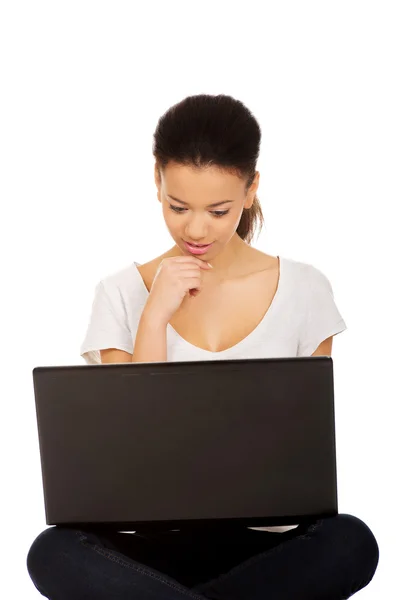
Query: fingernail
x=210, y=265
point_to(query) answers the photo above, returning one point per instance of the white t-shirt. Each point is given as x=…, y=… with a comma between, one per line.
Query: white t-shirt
x=302, y=314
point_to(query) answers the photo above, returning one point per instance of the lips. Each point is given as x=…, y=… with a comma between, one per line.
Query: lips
x=197, y=248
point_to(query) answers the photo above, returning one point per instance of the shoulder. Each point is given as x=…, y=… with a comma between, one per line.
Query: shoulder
x=298, y=276
x=256, y=261
x=306, y=274
x=131, y=281
x=148, y=271
x=306, y=284
x=123, y=290
x=302, y=273
x=120, y=279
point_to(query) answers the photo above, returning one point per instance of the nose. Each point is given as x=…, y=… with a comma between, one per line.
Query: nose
x=196, y=229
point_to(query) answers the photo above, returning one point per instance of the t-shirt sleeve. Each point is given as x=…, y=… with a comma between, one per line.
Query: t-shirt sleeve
x=322, y=316
x=108, y=327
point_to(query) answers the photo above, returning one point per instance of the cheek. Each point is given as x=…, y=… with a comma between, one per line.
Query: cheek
x=173, y=225
x=169, y=217
x=237, y=217
x=232, y=221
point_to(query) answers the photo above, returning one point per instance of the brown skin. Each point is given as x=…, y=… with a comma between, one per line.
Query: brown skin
x=198, y=223
x=232, y=297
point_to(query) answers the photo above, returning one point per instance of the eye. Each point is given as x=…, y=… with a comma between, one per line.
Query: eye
x=219, y=213
x=215, y=213
x=177, y=209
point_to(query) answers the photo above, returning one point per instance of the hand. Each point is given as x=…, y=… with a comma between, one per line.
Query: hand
x=176, y=277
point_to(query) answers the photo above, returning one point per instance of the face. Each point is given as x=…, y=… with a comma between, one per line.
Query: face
x=202, y=208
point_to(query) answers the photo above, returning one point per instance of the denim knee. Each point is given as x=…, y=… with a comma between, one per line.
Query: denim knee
x=358, y=541
x=354, y=529
x=48, y=547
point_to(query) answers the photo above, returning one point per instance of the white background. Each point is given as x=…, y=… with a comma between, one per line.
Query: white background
x=82, y=87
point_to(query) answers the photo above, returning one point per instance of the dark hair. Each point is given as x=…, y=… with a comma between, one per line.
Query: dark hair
x=204, y=130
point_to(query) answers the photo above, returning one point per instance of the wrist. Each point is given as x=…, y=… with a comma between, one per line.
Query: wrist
x=152, y=318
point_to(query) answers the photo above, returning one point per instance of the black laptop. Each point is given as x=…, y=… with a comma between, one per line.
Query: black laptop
x=174, y=444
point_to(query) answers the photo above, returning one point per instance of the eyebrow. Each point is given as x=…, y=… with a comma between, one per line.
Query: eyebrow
x=209, y=205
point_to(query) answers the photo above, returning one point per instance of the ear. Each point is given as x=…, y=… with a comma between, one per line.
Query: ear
x=252, y=191
x=157, y=181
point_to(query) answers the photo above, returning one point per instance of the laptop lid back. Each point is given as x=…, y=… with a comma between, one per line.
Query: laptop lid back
x=188, y=442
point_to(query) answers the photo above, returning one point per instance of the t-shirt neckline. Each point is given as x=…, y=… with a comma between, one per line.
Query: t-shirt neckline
x=253, y=333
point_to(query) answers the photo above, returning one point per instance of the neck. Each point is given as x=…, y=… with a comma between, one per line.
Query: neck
x=230, y=259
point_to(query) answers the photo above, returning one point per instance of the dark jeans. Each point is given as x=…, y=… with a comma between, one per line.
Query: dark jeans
x=328, y=559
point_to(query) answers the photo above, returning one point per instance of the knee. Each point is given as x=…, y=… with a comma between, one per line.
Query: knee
x=355, y=530
x=357, y=539
x=47, y=551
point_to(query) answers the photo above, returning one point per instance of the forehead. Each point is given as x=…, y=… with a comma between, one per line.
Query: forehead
x=210, y=181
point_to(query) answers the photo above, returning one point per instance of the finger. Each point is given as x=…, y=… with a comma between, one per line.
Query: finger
x=192, y=283
x=191, y=259
x=190, y=272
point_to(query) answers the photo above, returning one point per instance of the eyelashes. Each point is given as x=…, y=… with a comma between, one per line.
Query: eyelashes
x=215, y=213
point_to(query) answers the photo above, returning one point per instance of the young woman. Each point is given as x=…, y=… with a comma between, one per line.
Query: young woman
x=211, y=296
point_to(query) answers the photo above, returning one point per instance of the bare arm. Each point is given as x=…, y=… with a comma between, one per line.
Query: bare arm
x=151, y=340
x=150, y=345
x=175, y=278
